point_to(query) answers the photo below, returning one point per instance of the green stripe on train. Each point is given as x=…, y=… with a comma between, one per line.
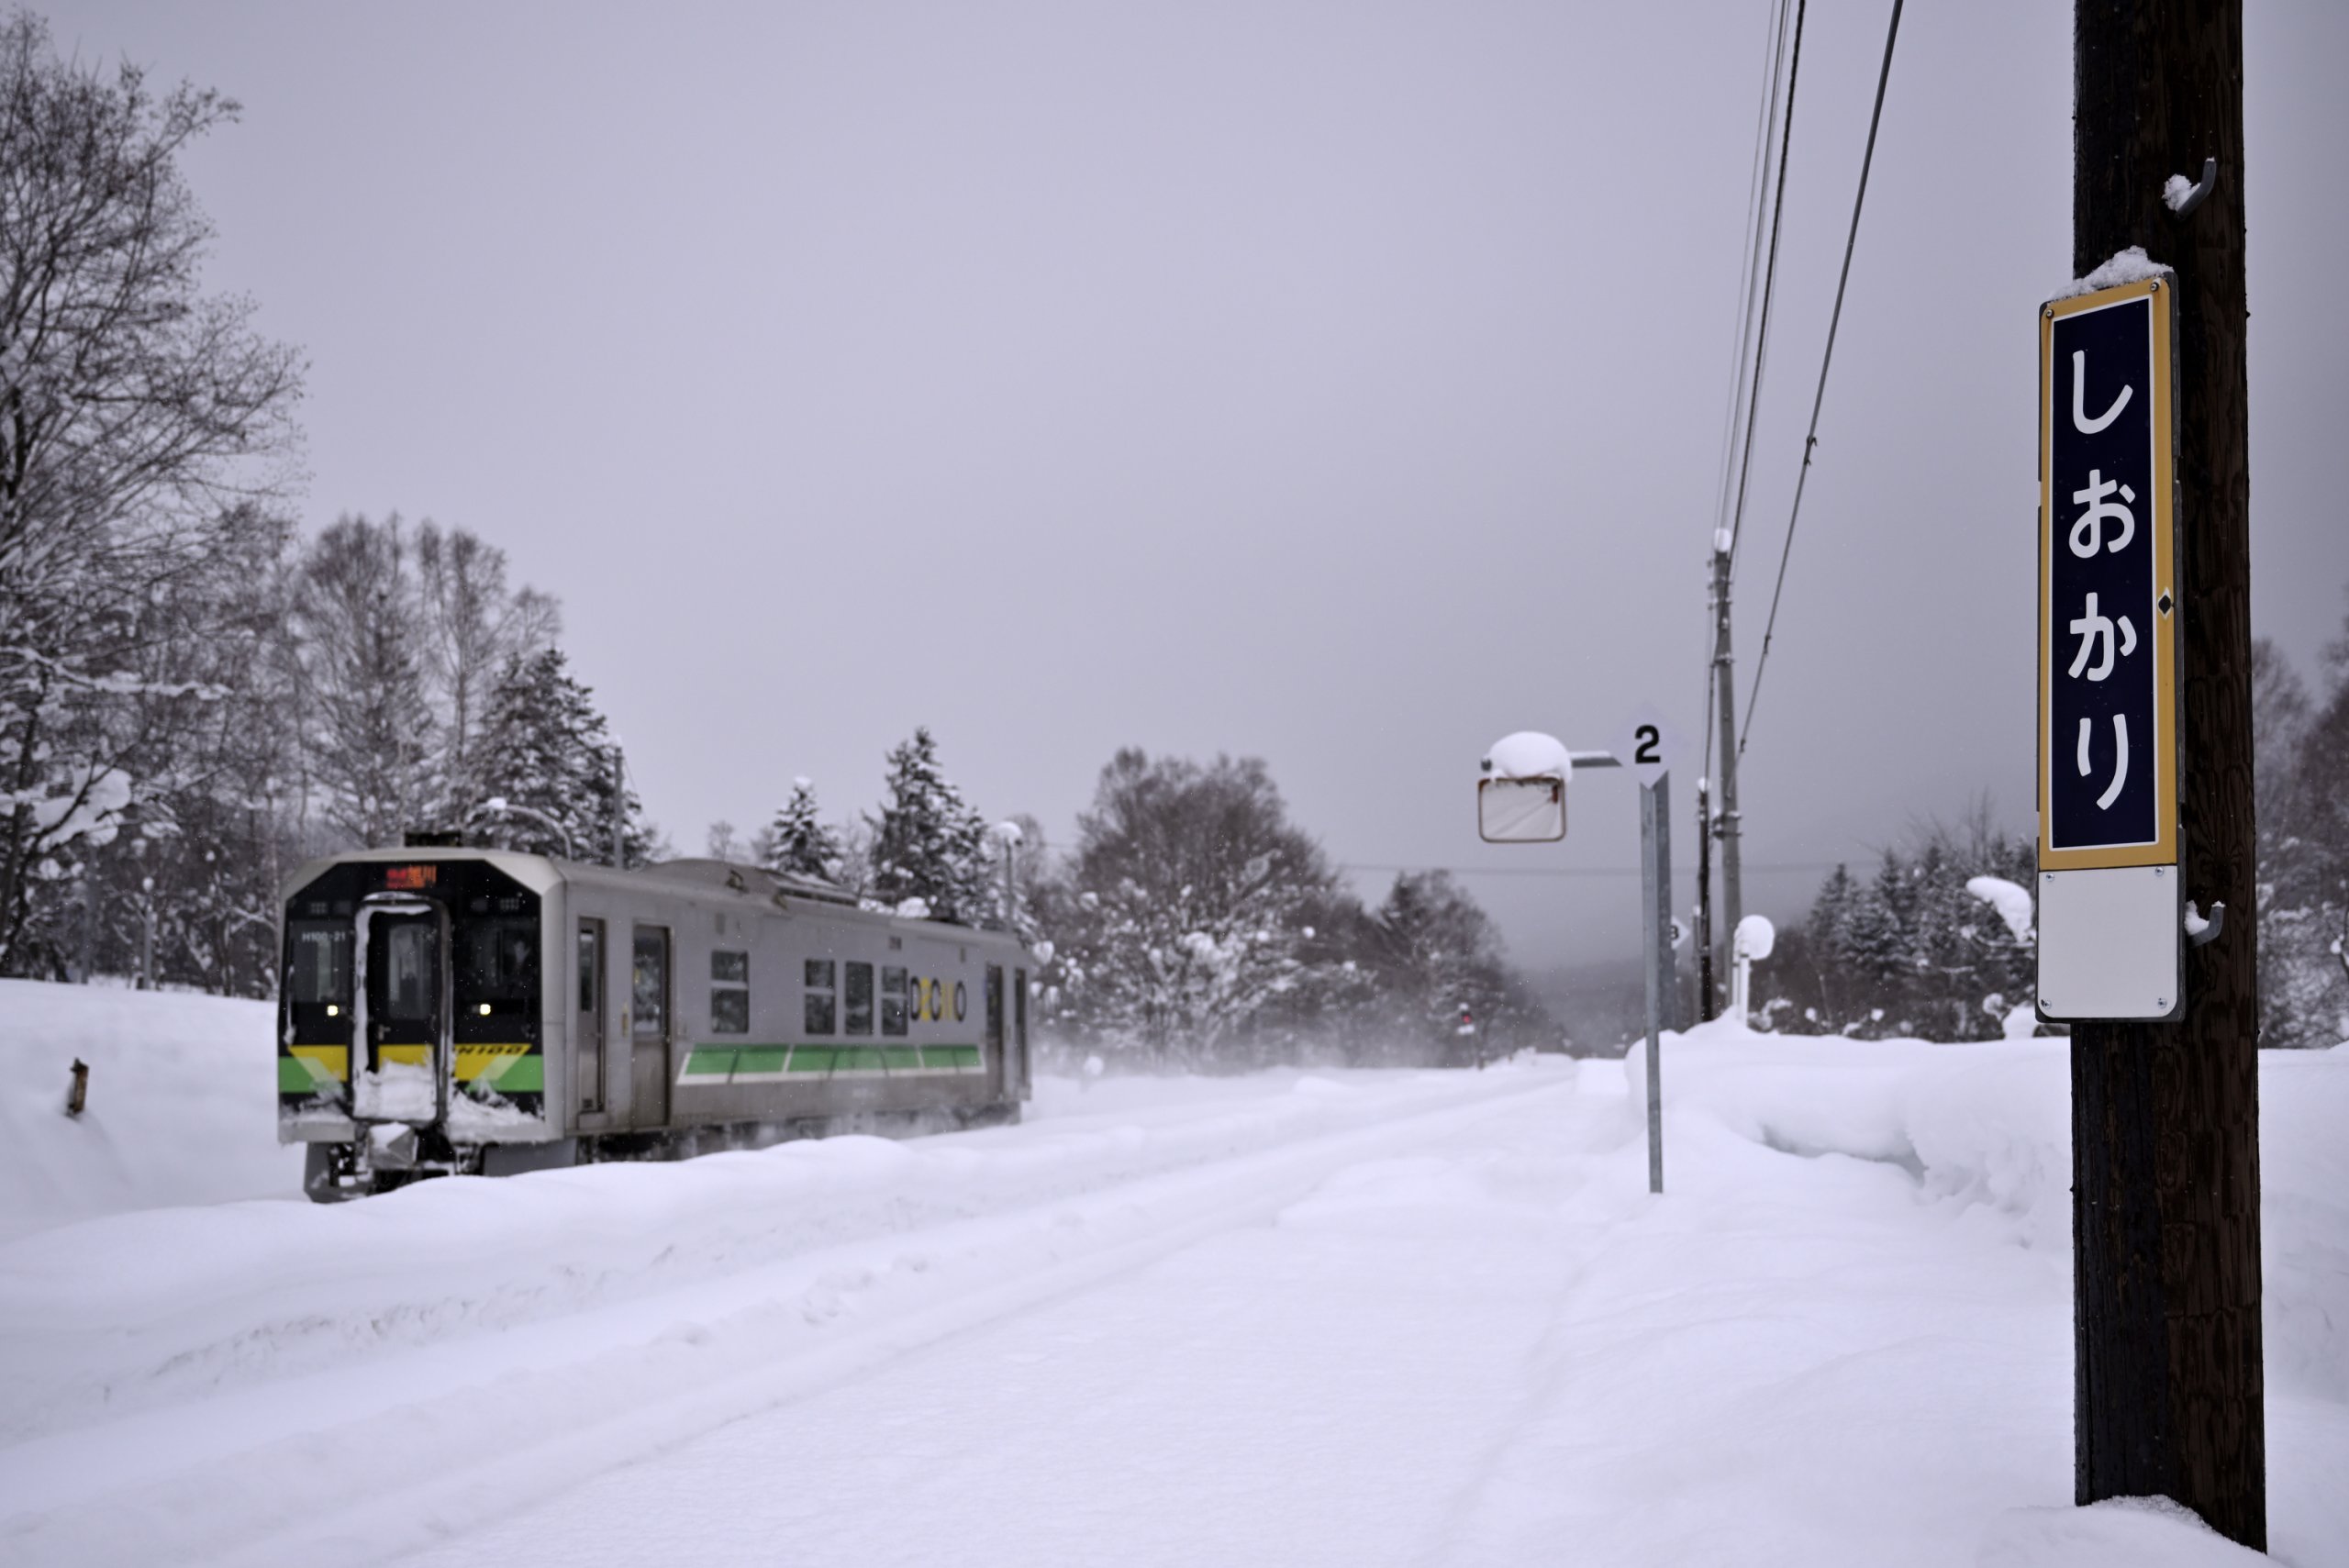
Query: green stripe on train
x=294, y=1076
x=523, y=1076
x=711, y=1067
x=702, y=1061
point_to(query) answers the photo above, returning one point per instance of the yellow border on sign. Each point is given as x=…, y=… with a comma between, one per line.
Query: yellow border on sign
x=2163, y=850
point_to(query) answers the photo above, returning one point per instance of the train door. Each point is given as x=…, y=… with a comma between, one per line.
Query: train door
x=587, y=1032
x=1020, y=1031
x=651, y=1003
x=999, y=1060
x=403, y=1057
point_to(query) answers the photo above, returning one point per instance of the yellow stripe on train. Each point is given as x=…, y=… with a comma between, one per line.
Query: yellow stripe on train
x=328, y=1063
x=331, y=1064
x=488, y=1062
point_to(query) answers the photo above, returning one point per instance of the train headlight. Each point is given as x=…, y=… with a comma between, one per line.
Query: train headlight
x=333, y=1011
x=484, y=1009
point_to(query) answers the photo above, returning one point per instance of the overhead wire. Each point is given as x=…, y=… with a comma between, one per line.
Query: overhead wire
x=1811, y=441
x=1769, y=286
x=1749, y=278
x=1571, y=872
x=1749, y=275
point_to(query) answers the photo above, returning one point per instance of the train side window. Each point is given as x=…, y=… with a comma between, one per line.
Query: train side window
x=649, y=984
x=590, y=945
x=730, y=993
x=856, y=999
x=820, y=986
x=893, y=1000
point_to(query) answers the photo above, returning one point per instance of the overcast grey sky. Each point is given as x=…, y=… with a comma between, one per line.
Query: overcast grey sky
x=1338, y=383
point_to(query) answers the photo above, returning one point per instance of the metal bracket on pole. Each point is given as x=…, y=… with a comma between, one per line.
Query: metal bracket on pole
x=1655, y=925
x=2180, y=203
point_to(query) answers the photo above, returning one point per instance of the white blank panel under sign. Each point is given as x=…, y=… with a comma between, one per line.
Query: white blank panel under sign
x=2109, y=943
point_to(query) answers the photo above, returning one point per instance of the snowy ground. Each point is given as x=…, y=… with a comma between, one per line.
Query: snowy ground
x=1358, y=1318
x=180, y=1106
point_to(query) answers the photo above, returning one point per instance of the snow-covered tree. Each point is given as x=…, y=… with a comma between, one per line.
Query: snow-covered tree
x=1189, y=892
x=373, y=744
x=473, y=627
x=1438, y=956
x=139, y=422
x=2303, y=805
x=798, y=842
x=928, y=844
x=1929, y=944
x=545, y=748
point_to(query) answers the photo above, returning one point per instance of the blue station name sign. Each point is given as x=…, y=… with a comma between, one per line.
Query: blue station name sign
x=2108, y=594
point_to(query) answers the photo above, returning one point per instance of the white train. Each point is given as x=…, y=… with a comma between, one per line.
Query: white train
x=456, y=1010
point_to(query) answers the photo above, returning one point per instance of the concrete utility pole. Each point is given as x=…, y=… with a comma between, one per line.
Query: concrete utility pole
x=1706, y=1008
x=1724, y=667
x=2166, y=1117
x=619, y=809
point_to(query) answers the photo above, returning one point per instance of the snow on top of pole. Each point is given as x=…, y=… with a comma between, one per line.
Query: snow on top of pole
x=2130, y=266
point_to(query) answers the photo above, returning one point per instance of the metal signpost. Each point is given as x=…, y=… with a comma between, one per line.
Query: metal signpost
x=1521, y=799
x=1656, y=935
x=2109, y=904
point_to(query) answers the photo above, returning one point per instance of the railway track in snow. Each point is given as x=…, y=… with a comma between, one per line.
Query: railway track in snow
x=271, y=1388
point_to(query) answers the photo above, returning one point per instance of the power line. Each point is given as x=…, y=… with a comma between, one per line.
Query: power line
x=1761, y=659
x=1769, y=282
x=1748, y=279
x=1749, y=275
x=1575, y=872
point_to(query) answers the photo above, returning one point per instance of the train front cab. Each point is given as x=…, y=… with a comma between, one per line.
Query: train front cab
x=412, y=1018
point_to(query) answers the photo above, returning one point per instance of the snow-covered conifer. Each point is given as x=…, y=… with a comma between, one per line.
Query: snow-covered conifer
x=544, y=747
x=928, y=843
x=799, y=843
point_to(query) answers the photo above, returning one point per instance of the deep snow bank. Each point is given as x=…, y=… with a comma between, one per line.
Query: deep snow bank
x=1982, y=1135
x=182, y=1104
x=1986, y=1123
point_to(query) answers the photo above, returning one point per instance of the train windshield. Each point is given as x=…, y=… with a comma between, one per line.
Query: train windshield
x=318, y=952
x=501, y=958
x=497, y=966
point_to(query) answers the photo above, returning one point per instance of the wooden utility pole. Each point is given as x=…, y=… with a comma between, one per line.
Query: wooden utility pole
x=2166, y=1117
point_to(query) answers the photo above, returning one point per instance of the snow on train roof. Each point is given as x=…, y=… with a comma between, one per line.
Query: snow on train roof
x=746, y=879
